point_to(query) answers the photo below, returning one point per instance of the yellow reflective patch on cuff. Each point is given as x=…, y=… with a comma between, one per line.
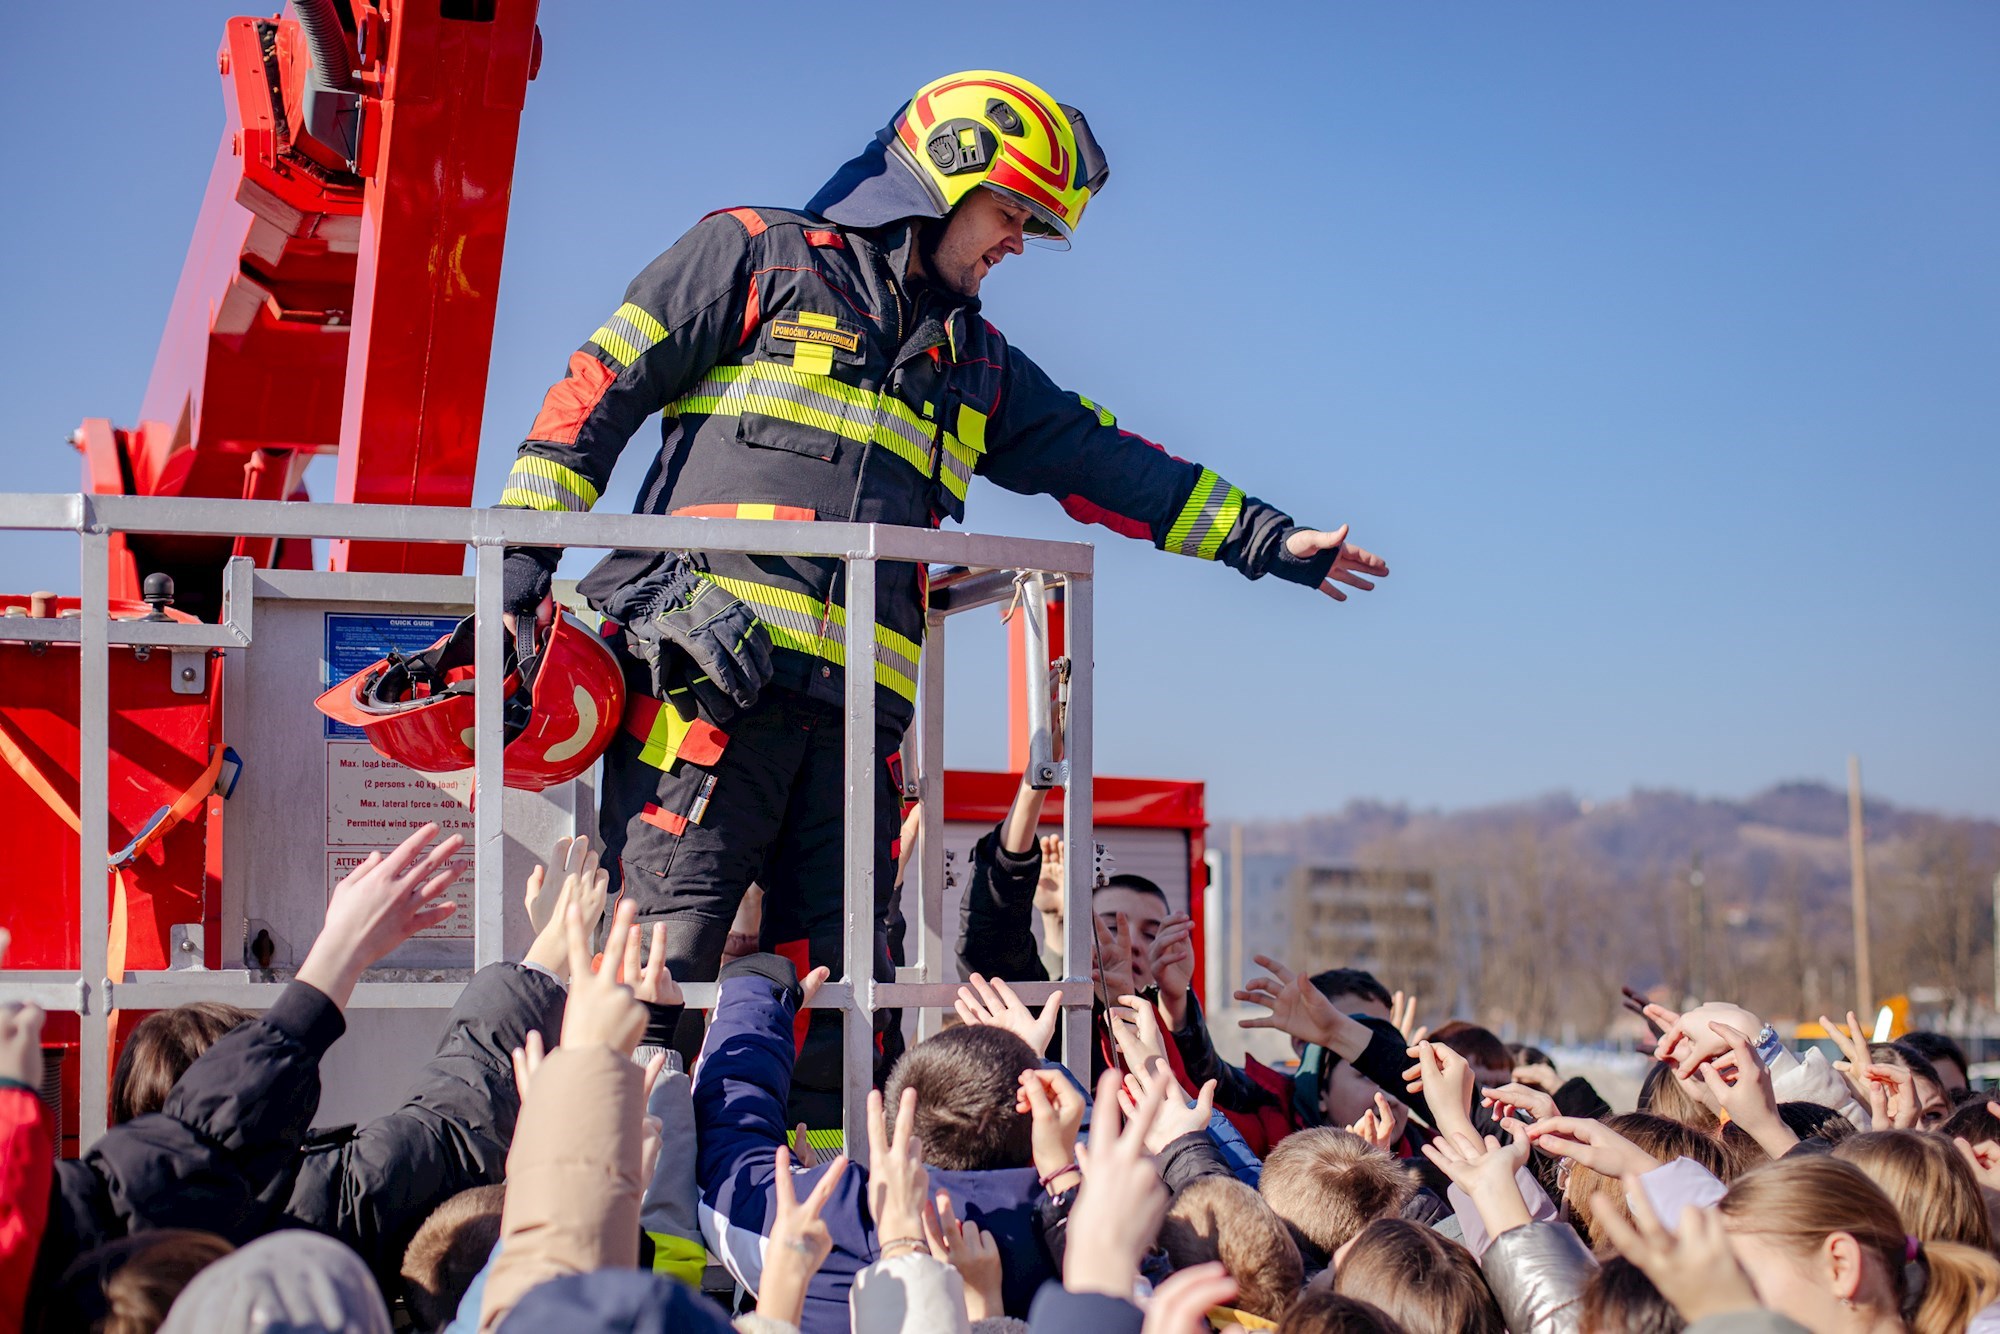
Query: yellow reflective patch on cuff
x=1104, y=416
x=1204, y=523
x=972, y=428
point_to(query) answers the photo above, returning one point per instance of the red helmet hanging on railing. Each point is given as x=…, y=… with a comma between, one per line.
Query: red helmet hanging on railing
x=564, y=703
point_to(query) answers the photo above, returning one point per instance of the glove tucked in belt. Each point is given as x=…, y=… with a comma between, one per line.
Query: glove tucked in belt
x=702, y=644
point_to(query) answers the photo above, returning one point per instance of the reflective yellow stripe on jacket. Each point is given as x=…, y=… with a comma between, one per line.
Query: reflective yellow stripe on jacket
x=807, y=625
x=1204, y=522
x=805, y=398
x=537, y=483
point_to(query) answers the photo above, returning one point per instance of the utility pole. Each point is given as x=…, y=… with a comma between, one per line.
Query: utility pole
x=1235, y=909
x=1857, y=855
x=1697, y=932
x=1996, y=944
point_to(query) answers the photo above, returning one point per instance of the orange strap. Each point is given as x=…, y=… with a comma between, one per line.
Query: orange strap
x=25, y=768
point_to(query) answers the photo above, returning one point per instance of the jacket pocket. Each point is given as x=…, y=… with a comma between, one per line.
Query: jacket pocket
x=761, y=432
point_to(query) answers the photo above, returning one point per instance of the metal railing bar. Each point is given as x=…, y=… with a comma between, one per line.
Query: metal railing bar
x=1079, y=842
x=858, y=1025
x=489, y=894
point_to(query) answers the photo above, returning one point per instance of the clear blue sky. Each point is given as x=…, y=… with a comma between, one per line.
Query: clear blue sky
x=1656, y=347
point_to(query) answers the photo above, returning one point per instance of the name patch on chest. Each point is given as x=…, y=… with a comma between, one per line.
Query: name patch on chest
x=792, y=331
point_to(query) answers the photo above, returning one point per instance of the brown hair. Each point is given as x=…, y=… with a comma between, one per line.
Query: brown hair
x=1662, y=1095
x=1477, y=1045
x=1799, y=1202
x=138, y=1294
x=1328, y=1184
x=1588, y=1191
x=1932, y=1188
x=966, y=1080
x=1220, y=1218
x=1322, y=1312
x=160, y=1050
x=1620, y=1299
x=1426, y=1283
x=448, y=1252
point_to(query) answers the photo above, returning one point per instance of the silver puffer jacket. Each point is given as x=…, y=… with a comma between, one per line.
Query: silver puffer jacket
x=1538, y=1273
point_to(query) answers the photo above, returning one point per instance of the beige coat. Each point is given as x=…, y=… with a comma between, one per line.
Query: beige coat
x=572, y=1177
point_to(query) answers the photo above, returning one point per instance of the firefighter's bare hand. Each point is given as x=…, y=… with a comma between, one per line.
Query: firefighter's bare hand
x=1353, y=566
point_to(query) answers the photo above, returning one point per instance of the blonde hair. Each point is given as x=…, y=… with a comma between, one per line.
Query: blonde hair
x=1328, y=1184
x=1932, y=1188
x=1799, y=1202
x=1220, y=1218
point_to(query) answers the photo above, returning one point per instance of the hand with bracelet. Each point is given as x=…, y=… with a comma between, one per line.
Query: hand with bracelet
x=1054, y=1107
x=898, y=1184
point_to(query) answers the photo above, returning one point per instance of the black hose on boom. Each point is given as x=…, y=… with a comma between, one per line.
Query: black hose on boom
x=320, y=22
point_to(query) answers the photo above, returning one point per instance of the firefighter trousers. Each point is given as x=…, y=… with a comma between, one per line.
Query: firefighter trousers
x=689, y=841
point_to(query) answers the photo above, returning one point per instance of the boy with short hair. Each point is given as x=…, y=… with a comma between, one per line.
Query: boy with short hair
x=1328, y=1184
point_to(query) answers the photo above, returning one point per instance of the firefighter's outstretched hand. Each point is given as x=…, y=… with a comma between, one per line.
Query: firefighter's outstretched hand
x=1353, y=567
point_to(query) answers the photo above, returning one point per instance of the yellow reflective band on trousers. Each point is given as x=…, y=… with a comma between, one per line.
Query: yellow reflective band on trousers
x=629, y=334
x=1204, y=522
x=808, y=625
x=774, y=389
x=537, y=483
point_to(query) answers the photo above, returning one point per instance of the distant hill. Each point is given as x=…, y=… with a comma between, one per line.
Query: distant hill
x=1603, y=891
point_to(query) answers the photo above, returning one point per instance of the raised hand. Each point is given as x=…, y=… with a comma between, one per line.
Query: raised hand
x=1403, y=1014
x=21, y=1044
x=1486, y=1170
x=1889, y=1090
x=1377, y=1125
x=974, y=1254
x=1054, y=1107
x=1538, y=1105
x=800, y=1241
x=379, y=905
x=1445, y=1080
x=803, y=1153
x=1118, y=1211
x=898, y=1184
x=1983, y=1158
x=1048, y=889
x=1300, y=1009
x=1170, y=960
x=580, y=882
x=1693, y=1268
x=1135, y=1028
x=528, y=1060
x=1177, y=1115
x=650, y=981
x=1349, y=567
x=995, y=1005
x=1741, y=1087
x=1593, y=1144
x=601, y=1009
x=1181, y=1303
x=1111, y=971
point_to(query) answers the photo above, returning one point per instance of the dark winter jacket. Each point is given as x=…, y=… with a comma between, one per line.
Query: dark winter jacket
x=994, y=937
x=372, y=1187
x=804, y=376
x=740, y=1086
x=220, y=1154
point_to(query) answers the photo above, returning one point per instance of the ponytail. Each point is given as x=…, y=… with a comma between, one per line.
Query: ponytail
x=1946, y=1285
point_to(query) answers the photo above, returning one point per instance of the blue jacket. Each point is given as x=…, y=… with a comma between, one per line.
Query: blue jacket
x=740, y=1087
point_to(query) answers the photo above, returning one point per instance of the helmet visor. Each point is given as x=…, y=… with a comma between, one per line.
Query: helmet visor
x=1042, y=227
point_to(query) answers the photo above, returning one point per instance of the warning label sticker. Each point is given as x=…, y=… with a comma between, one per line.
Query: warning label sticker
x=458, y=926
x=355, y=643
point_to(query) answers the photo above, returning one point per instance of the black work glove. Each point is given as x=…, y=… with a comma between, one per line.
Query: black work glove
x=702, y=644
x=524, y=582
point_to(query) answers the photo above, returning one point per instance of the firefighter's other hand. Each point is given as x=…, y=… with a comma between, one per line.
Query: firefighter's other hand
x=1351, y=567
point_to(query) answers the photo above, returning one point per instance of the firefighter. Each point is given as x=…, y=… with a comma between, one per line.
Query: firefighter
x=830, y=364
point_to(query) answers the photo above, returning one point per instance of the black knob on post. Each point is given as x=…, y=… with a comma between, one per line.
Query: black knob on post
x=157, y=592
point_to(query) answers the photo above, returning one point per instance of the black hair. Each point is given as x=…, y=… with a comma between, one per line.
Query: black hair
x=1937, y=1049
x=1138, y=884
x=1336, y=982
